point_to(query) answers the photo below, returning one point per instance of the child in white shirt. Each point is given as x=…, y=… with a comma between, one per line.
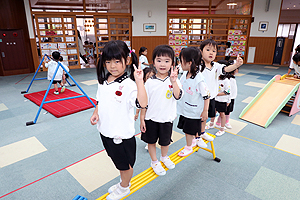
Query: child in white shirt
x=117, y=95
x=163, y=91
x=295, y=66
x=143, y=59
x=211, y=71
x=228, y=51
x=222, y=101
x=233, y=94
x=52, y=65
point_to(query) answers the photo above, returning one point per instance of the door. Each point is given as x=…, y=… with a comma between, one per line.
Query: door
x=278, y=51
x=13, y=50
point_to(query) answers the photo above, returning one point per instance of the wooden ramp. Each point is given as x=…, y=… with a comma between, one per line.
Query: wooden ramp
x=268, y=103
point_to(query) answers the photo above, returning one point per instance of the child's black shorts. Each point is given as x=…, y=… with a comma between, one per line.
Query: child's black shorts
x=221, y=106
x=189, y=126
x=54, y=82
x=230, y=107
x=212, y=108
x=123, y=154
x=157, y=131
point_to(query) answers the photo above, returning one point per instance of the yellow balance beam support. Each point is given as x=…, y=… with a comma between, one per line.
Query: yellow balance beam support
x=148, y=175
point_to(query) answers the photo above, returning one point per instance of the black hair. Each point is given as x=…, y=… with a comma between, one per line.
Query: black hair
x=55, y=55
x=223, y=76
x=147, y=70
x=209, y=42
x=297, y=49
x=61, y=58
x=142, y=49
x=296, y=57
x=163, y=50
x=228, y=44
x=191, y=54
x=115, y=49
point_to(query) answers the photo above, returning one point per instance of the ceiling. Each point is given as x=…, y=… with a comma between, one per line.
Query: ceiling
x=125, y=4
x=286, y=4
x=290, y=5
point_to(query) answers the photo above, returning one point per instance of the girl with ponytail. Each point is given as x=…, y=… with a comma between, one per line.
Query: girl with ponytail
x=117, y=96
x=193, y=106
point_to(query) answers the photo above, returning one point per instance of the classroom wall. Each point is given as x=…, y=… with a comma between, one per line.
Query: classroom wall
x=272, y=16
x=150, y=40
x=140, y=9
x=33, y=45
x=264, y=41
x=12, y=14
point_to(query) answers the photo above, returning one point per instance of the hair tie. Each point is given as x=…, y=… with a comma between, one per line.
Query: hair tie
x=132, y=51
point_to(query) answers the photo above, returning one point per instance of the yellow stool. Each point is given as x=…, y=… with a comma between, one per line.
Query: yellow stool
x=148, y=175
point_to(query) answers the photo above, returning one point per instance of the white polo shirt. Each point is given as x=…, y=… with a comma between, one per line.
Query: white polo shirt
x=233, y=88
x=195, y=92
x=224, y=86
x=52, y=65
x=143, y=59
x=228, y=52
x=212, y=77
x=161, y=102
x=296, y=68
x=116, y=102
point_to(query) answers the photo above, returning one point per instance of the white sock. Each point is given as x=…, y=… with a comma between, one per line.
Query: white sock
x=154, y=162
x=163, y=158
x=123, y=189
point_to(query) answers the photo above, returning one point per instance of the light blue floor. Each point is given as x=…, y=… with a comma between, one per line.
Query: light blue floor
x=250, y=167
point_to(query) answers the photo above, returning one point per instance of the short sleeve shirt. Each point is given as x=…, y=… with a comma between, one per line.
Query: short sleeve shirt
x=143, y=59
x=162, y=104
x=212, y=77
x=195, y=92
x=52, y=65
x=224, y=86
x=116, y=102
x=296, y=68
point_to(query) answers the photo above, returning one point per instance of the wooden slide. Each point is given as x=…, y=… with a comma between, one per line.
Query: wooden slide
x=270, y=100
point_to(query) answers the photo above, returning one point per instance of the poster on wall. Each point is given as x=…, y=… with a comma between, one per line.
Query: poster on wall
x=177, y=42
x=238, y=42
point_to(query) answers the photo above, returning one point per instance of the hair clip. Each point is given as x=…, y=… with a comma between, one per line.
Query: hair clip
x=133, y=50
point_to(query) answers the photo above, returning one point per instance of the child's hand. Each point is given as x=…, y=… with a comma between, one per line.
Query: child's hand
x=138, y=73
x=204, y=116
x=136, y=116
x=239, y=61
x=143, y=126
x=94, y=119
x=174, y=74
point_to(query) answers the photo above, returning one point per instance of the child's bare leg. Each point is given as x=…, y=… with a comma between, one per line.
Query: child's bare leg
x=223, y=120
x=152, y=151
x=63, y=80
x=164, y=150
x=126, y=176
x=189, y=139
x=55, y=87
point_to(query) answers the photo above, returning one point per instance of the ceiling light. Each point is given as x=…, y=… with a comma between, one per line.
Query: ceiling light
x=294, y=6
x=232, y=4
x=288, y=8
x=182, y=8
